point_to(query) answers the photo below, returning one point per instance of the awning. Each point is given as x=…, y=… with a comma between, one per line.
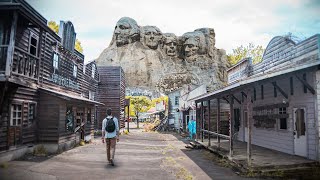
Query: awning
x=68, y=96
x=255, y=79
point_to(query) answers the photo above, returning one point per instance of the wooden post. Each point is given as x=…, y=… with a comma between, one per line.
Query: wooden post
x=11, y=44
x=37, y=71
x=209, y=125
x=231, y=128
x=128, y=116
x=202, y=120
x=249, y=147
x=218, y=122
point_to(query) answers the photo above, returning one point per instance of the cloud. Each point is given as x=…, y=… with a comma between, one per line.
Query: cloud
x=235, y=22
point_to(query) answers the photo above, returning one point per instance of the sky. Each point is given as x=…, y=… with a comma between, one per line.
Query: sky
x=236, y=22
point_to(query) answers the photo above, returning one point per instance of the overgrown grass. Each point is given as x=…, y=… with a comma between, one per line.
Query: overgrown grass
x=40, y=151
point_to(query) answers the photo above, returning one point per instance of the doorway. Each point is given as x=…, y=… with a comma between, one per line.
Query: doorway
x=300, y=138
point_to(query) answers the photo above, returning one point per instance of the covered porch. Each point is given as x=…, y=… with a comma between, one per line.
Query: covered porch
x=258, y=140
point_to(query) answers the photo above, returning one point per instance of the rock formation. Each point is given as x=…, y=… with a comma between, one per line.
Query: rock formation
x=163, y=61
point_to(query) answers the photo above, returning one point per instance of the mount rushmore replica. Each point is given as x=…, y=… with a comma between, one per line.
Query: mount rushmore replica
x=163, y=61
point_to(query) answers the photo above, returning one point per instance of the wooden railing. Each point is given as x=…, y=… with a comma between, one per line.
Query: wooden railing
x=3, y=57
x=25, y=64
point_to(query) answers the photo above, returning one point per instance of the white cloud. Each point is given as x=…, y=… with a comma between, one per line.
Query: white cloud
x=235, y=22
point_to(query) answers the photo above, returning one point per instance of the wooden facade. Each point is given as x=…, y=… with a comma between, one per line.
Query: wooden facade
x=111, y=92
x=47, y=93
x=275, y=103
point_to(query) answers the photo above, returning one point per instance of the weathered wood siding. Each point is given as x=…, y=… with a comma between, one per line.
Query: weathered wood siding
x=274, y=138
x=49, y=113
x=111, y=92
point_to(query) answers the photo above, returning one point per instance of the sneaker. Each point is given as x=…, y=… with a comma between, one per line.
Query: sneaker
x=111, y=162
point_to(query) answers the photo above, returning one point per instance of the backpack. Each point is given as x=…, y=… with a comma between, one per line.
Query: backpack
x=110, y=125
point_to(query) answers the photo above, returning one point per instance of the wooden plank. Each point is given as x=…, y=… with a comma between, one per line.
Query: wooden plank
x=11, y=43
x=202, y=120
x=249, y=146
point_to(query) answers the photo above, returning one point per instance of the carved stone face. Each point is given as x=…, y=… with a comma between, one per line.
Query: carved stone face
x=126, y=31
x=152, y=36
x=191, y=47
x=170, y=45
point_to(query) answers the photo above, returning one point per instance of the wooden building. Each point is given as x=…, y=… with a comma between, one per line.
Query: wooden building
x=275, y=103
x=47, y=94
x=111, y=92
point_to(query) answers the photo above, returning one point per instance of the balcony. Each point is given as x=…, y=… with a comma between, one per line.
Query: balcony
x=25, y=64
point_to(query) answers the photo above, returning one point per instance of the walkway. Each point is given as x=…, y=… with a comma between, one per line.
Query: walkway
x=139, y=155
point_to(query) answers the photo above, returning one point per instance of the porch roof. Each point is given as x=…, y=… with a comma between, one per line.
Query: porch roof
x=253, y=79
x=68, y=96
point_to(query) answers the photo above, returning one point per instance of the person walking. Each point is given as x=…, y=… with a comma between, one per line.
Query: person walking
x=110, y=135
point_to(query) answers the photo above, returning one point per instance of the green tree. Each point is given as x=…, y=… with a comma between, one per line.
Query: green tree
x=78, y=46
x=255, y=52
x=138, y=104
x=55, y=27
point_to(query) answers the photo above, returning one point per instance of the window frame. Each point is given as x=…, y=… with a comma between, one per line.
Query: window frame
x=55, y=62
x=93, y=70
x=75, y=70
x=36, y=37
x=13, y=114
x=282, y=110
x=176, y=100
x=34, y=113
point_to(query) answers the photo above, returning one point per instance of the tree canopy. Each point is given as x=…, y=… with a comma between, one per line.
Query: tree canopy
x=255, y=52
x=55, y=27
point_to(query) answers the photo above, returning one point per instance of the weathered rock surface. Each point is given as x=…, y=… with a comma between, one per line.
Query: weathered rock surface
x=165, y=62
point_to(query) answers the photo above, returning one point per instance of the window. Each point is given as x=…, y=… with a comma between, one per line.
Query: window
x=69, y=119
x=55, y=61
x=75, y=69
x=89, y=116
x=176, y=100
x=91, y=95
x=93, y=72
x=33, y=44
x=31, y=114
x=16, y=115
x=283, y=121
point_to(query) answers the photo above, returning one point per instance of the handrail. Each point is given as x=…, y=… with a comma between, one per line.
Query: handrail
x=214, y=133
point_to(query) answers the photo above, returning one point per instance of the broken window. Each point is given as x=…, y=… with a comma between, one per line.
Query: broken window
x=300, y=122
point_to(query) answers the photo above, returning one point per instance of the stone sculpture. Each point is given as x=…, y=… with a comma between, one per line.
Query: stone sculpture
x=152, y=36
x=163, y=61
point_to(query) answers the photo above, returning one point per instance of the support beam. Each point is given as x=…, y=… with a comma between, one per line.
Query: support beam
x=243, y=95
x=231, y=126
x=224, y=98
x=218, y=122
x=209, y=124
x=284, y=94
x=306, y=84
x=249, y=132
x=202, y=120
x=11, y=44
x=235, y=98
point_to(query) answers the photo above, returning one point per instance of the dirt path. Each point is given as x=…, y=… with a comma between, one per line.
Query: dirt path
x=139, y=155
